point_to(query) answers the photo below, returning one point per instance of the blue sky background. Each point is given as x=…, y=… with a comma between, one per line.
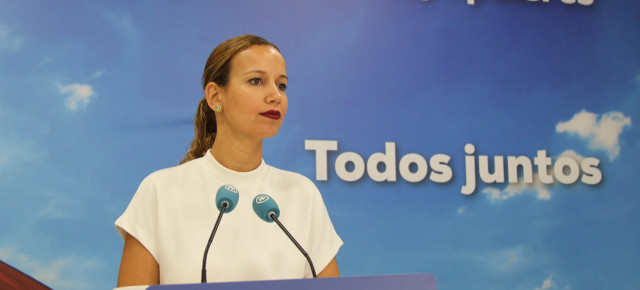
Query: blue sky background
x=95, y=95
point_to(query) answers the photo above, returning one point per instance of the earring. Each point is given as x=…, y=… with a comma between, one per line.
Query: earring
x=218, y=108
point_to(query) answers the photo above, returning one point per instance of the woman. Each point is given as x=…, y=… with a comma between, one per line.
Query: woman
x=168, y=222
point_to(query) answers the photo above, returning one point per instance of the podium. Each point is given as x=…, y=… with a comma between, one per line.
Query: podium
x=390, y=282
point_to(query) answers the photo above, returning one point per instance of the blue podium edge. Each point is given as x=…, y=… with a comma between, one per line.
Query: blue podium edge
x=394, y=281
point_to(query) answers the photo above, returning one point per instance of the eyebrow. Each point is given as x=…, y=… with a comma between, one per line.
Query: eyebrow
x=263, y=72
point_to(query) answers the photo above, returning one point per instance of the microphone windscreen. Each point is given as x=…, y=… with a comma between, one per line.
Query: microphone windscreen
x=227, y=193
x=263, y=205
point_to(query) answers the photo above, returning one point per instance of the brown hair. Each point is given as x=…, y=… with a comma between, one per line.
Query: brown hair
x=216, y=70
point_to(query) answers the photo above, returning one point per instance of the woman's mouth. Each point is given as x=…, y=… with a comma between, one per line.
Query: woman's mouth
x=271, y=114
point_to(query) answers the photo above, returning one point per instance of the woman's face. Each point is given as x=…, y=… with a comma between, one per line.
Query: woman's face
x=254, y=101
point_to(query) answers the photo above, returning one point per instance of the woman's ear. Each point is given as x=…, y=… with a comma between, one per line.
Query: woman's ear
x=212, y=95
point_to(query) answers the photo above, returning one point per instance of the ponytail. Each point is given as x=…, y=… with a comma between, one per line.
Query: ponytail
x=204, y=128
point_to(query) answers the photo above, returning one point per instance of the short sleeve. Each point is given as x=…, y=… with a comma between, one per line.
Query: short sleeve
x=324, y=242
x=140, y=219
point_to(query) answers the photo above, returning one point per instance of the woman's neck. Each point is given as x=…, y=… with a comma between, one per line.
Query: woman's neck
x=241, y=156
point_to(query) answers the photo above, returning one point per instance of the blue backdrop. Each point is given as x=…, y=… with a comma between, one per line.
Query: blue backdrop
x=95, y=95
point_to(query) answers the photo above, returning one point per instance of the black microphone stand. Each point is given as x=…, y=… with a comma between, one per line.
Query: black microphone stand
x=272, y=215
x=213, y=233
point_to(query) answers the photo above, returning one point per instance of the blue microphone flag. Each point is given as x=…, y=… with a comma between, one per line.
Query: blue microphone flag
x=229, y=194
x=263, y=205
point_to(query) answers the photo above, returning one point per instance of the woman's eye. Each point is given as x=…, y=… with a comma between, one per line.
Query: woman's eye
x=282, y=87
x=255, y=81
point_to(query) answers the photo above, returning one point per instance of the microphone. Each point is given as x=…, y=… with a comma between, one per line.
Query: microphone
x=267, y=209
x=226, y=200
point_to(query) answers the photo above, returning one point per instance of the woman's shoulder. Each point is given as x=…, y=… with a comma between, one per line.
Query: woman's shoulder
x=172, y=173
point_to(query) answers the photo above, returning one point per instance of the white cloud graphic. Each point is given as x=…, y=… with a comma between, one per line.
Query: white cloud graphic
x=61, y=273
x=538, y=188
x=600, y=133
x=547, y=284
x=9, y=41
x=515, y=189
x=551, y=284
x=97, y=74
x=505, y=260
x=571, y=154
x=79, y=95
